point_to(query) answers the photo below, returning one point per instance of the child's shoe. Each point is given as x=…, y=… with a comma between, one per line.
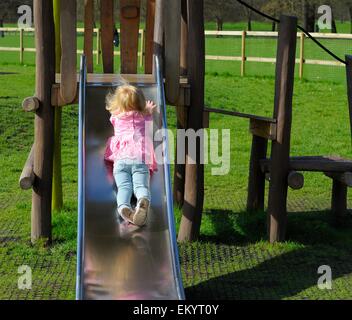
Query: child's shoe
x=140, y=216
x=126, y=214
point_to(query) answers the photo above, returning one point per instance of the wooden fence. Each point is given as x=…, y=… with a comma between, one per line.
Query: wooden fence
x=244, y=35
x=97, y=31
x=301, y=60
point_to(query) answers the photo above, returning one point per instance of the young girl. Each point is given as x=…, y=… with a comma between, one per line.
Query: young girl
x=131, y=150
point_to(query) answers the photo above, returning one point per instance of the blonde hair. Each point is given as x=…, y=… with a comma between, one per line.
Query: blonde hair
x=126, y=98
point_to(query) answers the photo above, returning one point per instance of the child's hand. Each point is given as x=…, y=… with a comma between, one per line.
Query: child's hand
x=151, y=106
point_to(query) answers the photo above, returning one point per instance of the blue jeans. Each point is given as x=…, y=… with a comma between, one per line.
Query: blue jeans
x=131, y=176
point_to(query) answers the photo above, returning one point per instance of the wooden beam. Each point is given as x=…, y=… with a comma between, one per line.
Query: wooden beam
x=315, y=164
x=183, y=103
x=194, y=185
x=339, y=202
x=44, y=120
x=107, y=34
x=256, y=181
x=280, y=151
x=263, y=129
x=159, y=32
x=111, y=78
x=172, y=50
x=149, y=44
x=30, y=104
x=89, y=33
x=68, y=49
x=129, y=21
x=56, y=98
x=27, y=176
x=295, y=180
x=345, y=178
x=240, y=114
x=182, y=112
x=184, y=38
x=57, y=101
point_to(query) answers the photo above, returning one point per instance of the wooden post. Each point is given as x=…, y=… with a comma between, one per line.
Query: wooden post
x=280, y=151
x=141, y=60
x=21, y=46
x=129, y=20
x=57, y=195
x=98, y=46
x=339, y=201
x=149, y=43
x=68, y=33
x=194, y=185
x=243, y=61
x=349, y=87
x=88, y=33
x=295, y=180
x=181, y=113
x=301, y=55
x=44, y=120
x=256, y=182
x=172, y=50
x=27, y=176
x=159, y=32
x=107, y=34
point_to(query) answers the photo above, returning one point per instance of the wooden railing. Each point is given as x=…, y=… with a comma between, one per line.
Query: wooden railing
x=301, y=60
x=21, y=49
x=243, y=58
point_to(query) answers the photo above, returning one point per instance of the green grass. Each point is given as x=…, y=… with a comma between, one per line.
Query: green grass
x=342, y=27
x=232, y=253
x=227, y=46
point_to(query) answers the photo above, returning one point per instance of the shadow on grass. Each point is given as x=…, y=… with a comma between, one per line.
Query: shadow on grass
x=313, y=241
x=307, y=228
x=281, y=277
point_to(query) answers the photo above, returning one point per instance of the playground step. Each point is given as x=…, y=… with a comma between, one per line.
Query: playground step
x=314, y=164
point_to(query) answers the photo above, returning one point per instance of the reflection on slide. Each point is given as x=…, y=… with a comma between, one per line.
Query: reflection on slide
x=117, y=260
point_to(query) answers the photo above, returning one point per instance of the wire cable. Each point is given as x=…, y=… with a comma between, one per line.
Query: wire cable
x=299, y=27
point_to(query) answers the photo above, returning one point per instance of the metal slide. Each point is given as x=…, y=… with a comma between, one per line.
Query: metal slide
x=116, y=260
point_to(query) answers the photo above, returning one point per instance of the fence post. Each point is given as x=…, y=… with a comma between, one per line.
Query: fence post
x=142, y=48
x=243, y=63
x=301, y=56
x=21, y=46
x=98, y=45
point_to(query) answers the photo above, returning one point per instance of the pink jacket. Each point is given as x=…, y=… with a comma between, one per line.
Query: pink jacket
x=132, y=139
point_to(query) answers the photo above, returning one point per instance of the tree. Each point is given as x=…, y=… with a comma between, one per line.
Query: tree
x=8, y=11
x=309, y=15
x=277, y=7
x=249, y=14
x=220, y=11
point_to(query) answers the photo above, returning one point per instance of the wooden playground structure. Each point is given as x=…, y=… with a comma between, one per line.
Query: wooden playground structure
x=175, y=32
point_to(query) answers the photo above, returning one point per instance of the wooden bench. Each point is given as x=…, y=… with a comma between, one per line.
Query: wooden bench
x=335, y=168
